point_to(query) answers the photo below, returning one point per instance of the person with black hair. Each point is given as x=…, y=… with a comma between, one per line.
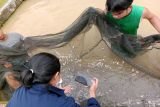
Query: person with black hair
x=127, y=16
x=39, y=85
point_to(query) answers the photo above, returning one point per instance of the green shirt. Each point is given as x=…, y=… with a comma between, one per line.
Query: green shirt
x=130, y=23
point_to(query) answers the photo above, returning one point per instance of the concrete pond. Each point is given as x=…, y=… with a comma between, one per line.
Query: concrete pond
x=120, y=84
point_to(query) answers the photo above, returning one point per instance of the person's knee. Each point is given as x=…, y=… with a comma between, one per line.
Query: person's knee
x=12, y=82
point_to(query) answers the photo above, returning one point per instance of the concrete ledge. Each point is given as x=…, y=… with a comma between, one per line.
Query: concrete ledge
x=7, y=10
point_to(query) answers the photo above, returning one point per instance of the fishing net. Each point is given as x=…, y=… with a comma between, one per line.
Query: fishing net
x=90, y=45
x=124, y=45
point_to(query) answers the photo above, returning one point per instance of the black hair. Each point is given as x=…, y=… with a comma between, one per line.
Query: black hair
x=118, y=5
x=42, y=67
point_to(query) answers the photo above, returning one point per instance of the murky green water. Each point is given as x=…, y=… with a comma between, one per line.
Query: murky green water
x=2, y=2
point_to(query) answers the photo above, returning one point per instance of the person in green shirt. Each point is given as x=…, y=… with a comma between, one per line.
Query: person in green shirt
x=127, y=17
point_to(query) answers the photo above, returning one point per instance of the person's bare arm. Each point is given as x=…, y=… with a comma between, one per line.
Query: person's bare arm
x=152, y=18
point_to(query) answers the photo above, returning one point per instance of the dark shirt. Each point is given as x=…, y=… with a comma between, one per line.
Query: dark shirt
x=44, y=96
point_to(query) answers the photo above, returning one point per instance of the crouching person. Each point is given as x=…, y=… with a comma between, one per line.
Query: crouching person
x=39, y=86
x=12, y=57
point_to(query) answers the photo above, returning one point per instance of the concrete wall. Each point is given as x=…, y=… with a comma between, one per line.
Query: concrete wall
x=8, y=9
